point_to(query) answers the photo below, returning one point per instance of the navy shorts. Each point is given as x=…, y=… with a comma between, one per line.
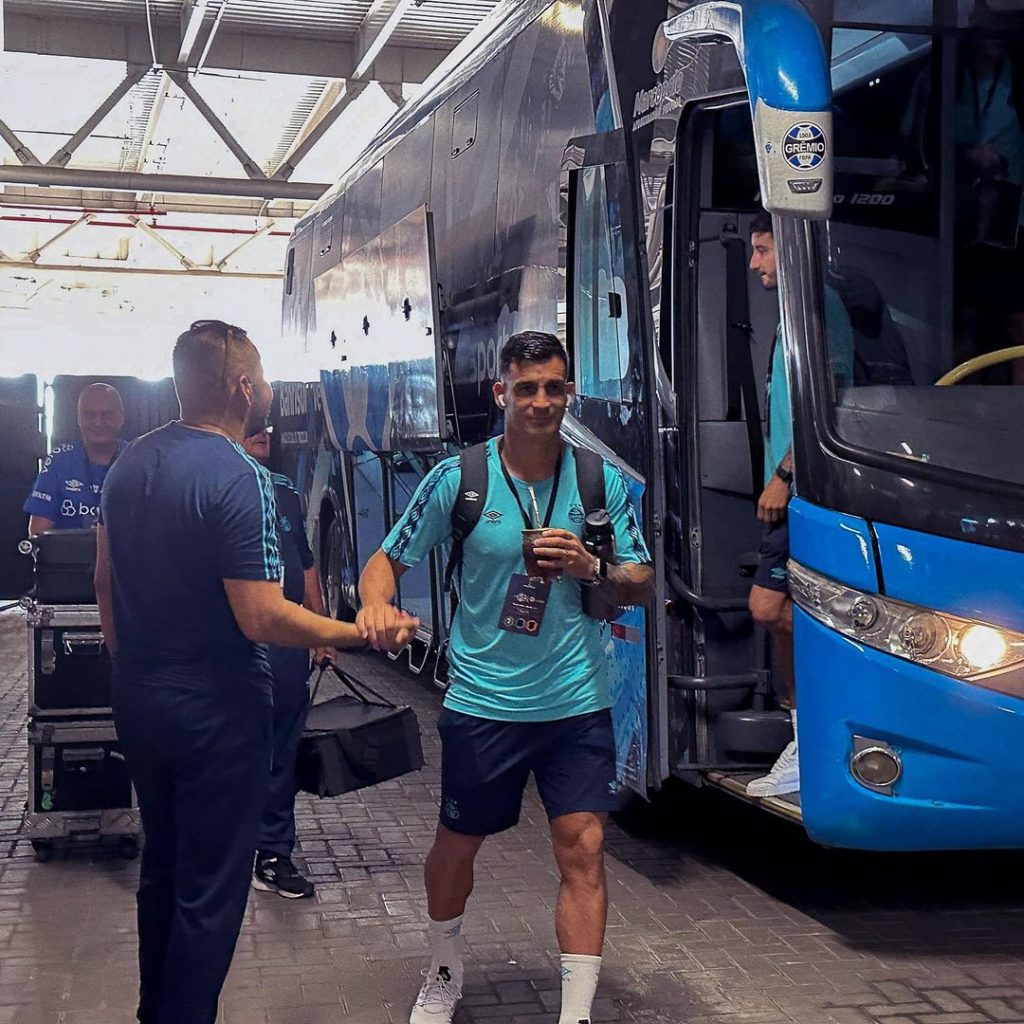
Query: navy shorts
x=773, y=558
x=485, y=766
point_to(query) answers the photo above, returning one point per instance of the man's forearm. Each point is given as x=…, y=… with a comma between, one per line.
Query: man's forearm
x=291, y=625
x=626, y=584
x=377, y=585
x=313, y=597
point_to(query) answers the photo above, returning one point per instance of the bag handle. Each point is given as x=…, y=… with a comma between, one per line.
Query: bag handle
x=350, y=684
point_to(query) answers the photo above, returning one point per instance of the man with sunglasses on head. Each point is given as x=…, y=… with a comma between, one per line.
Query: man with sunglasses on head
x=188, y=586
x=528, y=694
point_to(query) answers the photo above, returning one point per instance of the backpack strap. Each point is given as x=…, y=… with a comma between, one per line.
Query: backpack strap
x=590, y=479
x=469, y=505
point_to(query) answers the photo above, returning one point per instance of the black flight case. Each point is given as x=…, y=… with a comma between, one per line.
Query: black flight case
x=79, y=786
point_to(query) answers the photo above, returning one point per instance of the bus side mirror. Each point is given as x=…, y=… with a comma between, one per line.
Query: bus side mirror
x=794, y=161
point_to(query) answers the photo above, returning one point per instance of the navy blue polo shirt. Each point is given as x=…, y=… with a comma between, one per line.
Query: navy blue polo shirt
x=185, y=509
x=296, y=556
x=67, y=491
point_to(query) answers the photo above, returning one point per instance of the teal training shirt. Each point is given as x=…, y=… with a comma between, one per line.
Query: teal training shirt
x=839, y=332
x=505, y=676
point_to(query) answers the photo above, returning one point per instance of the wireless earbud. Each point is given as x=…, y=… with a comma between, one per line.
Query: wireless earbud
x=501, y=401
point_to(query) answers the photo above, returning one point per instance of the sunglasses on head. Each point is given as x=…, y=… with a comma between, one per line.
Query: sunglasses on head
x=228, y=330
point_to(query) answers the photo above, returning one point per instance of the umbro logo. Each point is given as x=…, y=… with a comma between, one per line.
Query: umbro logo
x=471, y=495
x=493, y=515
x=73, y=485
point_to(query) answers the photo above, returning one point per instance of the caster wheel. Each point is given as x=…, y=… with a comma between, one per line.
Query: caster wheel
x=43, y=850
x=129, y=848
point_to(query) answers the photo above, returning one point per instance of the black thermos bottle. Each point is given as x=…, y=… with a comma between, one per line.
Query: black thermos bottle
x=599, y=540
x=598, y=535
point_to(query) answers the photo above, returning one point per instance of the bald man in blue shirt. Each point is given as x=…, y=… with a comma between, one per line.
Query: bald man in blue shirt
x=188, y=584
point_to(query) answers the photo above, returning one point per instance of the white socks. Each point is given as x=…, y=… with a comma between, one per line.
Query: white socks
x=579, y=972
x=446, y=947
x=579, y=983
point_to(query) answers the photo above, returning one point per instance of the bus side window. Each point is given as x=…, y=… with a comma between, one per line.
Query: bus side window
x=600, y=302
x=289, y=276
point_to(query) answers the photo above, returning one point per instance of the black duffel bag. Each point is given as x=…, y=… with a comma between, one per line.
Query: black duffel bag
x=351, y=742
x=65, y=563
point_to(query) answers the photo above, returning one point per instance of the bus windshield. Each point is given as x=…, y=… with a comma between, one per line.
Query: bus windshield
x=923, y=259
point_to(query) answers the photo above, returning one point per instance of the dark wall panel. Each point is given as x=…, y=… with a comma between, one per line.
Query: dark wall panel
x=19, y=462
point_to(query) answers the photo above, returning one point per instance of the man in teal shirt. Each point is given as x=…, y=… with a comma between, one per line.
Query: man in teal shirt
x=770, y=603
x=526, y=696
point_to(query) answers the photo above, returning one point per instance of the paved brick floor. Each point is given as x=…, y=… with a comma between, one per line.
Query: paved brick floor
x=719, y=916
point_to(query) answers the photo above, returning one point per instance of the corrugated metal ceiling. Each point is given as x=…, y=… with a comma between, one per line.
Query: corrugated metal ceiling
x=155, y=128
x=432, y=23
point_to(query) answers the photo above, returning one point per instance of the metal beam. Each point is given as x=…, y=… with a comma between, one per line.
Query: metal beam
x=248, y=164
x=351, y=92
x=21, y=151
x=192, y=14
x=125, y=181
x=125, y=39
x=151, y=121
x=223, y=261
x=140, y=272
x=34, y=255
x=213, y=34
x=151, y=233
x=377, y=28
x=64, y=154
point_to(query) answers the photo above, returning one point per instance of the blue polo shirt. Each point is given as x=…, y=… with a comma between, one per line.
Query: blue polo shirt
x=503, y=676
x=67, y=491
x=779, y=429
x=185, y=509
x=296, y=556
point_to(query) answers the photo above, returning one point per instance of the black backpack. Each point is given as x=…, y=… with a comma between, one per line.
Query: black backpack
x=469, y=502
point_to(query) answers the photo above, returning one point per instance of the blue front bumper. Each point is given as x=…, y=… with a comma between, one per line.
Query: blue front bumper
x=961, y=748
x=961, y=745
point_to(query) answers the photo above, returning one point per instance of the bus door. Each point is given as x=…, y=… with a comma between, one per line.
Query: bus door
x=725, y=328
x=607, y=330
x=766, y=145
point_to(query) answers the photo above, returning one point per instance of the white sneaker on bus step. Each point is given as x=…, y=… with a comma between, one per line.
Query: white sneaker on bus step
x=438, y=997
x=782, y=779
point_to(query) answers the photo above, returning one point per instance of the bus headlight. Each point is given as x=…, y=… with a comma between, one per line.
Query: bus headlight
x=958, y=647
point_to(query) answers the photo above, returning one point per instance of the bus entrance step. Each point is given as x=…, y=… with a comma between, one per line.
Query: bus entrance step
x=735, y=784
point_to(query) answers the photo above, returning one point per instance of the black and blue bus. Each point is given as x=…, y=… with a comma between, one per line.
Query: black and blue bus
x=592, y=168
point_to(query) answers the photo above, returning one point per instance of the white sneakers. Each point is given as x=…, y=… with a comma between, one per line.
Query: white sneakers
x=438, y=997
x=782, y=779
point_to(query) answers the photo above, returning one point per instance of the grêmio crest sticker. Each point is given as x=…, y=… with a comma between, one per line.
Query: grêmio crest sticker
x=804, y=146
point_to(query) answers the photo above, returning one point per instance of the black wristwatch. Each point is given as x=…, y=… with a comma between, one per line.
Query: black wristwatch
x=785, y=475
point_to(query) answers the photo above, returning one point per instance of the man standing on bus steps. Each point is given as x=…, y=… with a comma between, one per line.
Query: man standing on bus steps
x=525, y=696
x=289, y=666
x=188, y=588
x=66, y=493
x=770, y=603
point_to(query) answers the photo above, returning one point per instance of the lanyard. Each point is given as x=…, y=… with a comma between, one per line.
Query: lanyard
x=515, y=493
